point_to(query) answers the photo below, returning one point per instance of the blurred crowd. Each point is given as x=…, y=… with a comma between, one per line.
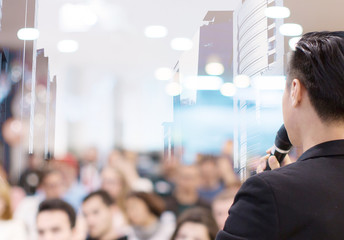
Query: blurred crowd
x=123, y=196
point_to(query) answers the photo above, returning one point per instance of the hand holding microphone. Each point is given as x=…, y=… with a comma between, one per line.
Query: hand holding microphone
x=277, y=155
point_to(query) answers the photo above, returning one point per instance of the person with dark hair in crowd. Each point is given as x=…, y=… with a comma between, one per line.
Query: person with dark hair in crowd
x=146, y=214
x=305, y=199
x=55, y=220
x=97, y=210
x=195, y=224
x=185, y=194
x=51, y=186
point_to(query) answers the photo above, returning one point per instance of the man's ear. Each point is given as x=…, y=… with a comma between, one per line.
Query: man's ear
x=296, y=92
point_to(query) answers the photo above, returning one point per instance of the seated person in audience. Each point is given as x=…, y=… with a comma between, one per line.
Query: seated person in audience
x=147, y=217
x=211, y=183
x=69, y=167
x=55, y=220
x=126, y=162
x=97, y=210
x=115, y=184
x=185, y=194
x=10, y=229
x=89, y=174
x=51, y=186
x=195, y=224
x=220, y=205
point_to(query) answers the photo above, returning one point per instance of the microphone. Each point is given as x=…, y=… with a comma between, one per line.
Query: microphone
x=281, y=147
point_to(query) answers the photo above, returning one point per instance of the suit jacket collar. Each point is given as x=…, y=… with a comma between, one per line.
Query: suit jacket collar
x=325, y=149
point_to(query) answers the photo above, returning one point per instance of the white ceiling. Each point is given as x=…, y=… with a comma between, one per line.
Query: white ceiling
x=125, y=50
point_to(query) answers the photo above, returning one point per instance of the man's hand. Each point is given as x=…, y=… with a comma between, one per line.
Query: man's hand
x=273, y=163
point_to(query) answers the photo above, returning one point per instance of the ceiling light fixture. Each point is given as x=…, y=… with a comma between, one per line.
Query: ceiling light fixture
x=173, y=89
x=163, y=74
x=291, y=29
x=242, y=81
x=228, y=90
x=293, y=41
x=277, y=12
x=28, y=34
x=68, y=46
x=155, y=31
x=181, y=44
x=214, y=68
x=203, y=83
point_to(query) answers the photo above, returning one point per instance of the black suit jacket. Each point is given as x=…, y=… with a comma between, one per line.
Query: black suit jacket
x=304, y=200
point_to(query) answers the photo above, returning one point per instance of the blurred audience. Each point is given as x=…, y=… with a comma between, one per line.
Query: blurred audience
x=51, y=186
x=115, y=184
x=211, y=183
x=30, y=178
x=185, y=194
x=10, y=229
x=98, y=213
x=121, y=203
x=221, y=205
x=125, y=162
x=55, y=220
x=147, y=217
x=69, y=167
x=89, y=173
x=195, y=224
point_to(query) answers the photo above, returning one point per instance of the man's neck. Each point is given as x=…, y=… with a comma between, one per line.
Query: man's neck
x=319, y=132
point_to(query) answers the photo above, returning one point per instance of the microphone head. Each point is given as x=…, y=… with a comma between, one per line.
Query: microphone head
x=282, y=140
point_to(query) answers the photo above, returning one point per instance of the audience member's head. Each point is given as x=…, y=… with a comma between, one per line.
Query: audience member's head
x=55, y=220
x=143, y=208
x=195, y=224
x=228, y=149
x=97, y=209
x=5, y=200
x=188, y=178
x=90, y=155
x=69, y=167
x=221, y=204
x=52, y=184
x=115, y=156
x=209, y=171
x=115, y=184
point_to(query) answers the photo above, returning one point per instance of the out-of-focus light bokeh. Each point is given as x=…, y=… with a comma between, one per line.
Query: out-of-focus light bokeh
x=28, y=34
x=277, y=12
x=291, y=29
x=68, y=46
x=156, y=31
x=181, y=44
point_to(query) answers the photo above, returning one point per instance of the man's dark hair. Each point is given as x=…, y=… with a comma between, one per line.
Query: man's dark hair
x=318, y=62
x=105, y=197
x=58, y=205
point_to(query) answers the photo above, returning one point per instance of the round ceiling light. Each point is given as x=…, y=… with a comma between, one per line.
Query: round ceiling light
x=291, y=29
x=277, y=12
